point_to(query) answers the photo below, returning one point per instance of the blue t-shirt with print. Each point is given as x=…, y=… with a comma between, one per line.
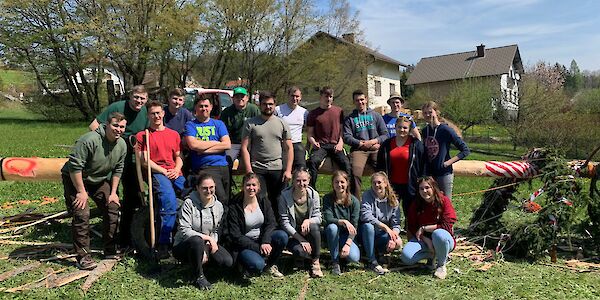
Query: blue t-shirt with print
x=390, y=122
x=213, y=130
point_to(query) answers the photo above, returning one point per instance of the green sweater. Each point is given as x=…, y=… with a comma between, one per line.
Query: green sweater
x=136, y=120
x=96, y=158
x=234, y=120
x=332, y=212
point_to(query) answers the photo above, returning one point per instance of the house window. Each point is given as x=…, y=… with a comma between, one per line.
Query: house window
x=377, y=88
x=392, y=88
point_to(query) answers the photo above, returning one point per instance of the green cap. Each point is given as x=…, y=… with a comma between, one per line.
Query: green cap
x=240, y=90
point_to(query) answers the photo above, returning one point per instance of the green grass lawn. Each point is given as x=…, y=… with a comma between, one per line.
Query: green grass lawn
x=17, y=79
x=134, y=279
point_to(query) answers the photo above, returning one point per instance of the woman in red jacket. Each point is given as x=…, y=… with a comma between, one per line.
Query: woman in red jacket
x=430, y=221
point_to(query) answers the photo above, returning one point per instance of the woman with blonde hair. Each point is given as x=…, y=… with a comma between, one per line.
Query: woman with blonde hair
x=402, y=158
x=380, y=221
x=300, y=210
x=437, y=137
x=341, y=213
x=431, y=219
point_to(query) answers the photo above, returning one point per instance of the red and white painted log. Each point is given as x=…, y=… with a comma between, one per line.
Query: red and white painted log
x=48, y=169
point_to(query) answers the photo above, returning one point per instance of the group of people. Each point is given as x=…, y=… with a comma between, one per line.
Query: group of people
x=278, y=206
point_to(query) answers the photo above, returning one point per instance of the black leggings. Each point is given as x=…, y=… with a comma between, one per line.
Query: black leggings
x=192, y=251
x=313, y=237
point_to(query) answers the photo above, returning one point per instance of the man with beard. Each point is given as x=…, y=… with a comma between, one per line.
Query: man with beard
x=135, y=113
x=295, y=116
x=165, y=164
x=264, y=139
x=93, y=170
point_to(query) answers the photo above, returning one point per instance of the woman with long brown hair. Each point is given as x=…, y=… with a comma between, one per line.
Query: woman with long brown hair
x=255, y=243
x=437, y=137
x=341, y=213
x=430, y=221
x=380, y=221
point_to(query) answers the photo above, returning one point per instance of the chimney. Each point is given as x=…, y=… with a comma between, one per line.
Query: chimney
x=348, y=37
x=481, y=50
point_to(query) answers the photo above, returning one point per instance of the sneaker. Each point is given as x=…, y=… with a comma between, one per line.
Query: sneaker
x=440, y=272
x=336, y=270
x=274, y=271
x=315, y=270
x=375, y=267
x=202, y=283
x=86, y=263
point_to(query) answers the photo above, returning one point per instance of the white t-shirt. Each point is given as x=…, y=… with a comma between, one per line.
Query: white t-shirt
x=294, y=118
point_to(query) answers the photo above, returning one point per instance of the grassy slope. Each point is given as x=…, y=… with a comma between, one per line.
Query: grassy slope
x=131, y=279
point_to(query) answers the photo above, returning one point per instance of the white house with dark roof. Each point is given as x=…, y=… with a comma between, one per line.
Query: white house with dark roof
x=501, y=65
x=380, y=78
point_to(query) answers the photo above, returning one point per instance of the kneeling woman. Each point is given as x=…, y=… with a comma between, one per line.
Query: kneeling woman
x=199, y=230
x=430, y=219
x=341, y=213
x=255, y=243
x=380, y=221
x=299, y=206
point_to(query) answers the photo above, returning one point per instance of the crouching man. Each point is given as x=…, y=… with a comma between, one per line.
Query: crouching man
x=93, y=171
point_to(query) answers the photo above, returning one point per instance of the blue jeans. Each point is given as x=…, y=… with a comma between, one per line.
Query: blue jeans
x=442, y=241
x=445, y=183
x=373, y=238
x=336, y=238
x=255, y=263
x=164, y=189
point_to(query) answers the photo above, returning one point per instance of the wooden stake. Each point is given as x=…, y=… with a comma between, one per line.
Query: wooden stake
x=150, y=196
x=17, y=271
x=103, y=267
x=57, y=215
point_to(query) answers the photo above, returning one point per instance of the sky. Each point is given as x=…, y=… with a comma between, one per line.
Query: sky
x=545, y=30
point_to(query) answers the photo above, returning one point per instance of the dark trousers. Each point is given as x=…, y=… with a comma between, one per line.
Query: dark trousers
x=359, y=160
x=222, y=181
x=313, y=237
x=401, y=191
x=192, y=250
x=131, y=201
x=271, y=185
x=318, y=155
x=299, y=156
x=80, y=225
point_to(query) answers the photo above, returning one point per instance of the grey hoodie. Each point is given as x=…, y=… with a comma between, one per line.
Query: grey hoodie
x=376, y=211
x=364, y=126
x=195, y=219
x=286, y=210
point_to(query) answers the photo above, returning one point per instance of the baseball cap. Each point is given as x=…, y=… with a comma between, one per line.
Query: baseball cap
x=240, y=90
x=395, y=95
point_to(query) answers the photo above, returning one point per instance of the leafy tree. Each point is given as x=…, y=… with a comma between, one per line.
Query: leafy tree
x=470, y=102
x=574, y=79
x=52, y=37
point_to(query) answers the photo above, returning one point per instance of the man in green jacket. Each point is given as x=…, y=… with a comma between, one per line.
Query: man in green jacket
x=93, y=170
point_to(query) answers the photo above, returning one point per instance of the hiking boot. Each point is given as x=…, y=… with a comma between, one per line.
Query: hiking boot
x=86, y=263
x=375, y=267
x=440, y=272
x=202, y=283
x=274, y=271
x=336, y=269
x=315, y=270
